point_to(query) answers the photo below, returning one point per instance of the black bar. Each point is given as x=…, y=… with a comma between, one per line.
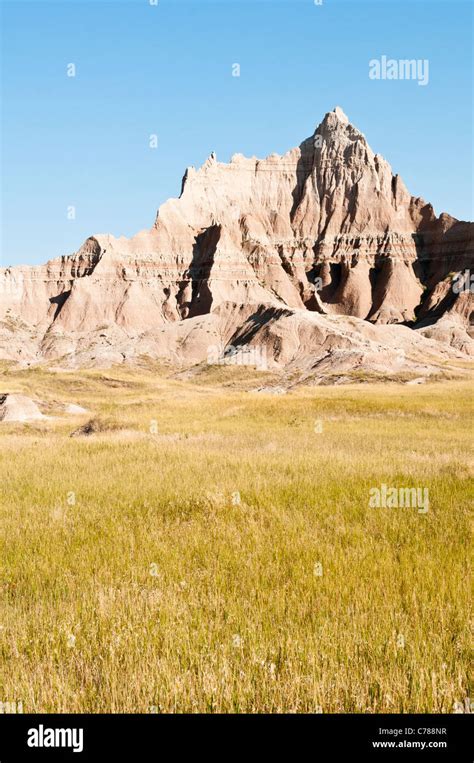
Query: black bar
x=166, y=737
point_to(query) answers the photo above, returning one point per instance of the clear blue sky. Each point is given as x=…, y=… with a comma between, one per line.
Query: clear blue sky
x=167, y=69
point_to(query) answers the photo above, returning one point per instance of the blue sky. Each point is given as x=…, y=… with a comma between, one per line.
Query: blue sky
x=167, y=70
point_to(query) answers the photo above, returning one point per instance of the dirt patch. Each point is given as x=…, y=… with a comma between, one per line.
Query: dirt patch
x=95, y=426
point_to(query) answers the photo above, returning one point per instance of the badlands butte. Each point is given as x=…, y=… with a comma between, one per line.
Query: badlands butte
x=318, y=264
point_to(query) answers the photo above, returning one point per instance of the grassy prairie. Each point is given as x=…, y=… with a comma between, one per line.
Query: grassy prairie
x=211, y=548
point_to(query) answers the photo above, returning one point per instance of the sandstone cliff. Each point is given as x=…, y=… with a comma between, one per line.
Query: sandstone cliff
x=306, y=255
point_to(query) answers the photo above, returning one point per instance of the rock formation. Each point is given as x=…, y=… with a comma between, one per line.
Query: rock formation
x=18, y=408
x=308, y=255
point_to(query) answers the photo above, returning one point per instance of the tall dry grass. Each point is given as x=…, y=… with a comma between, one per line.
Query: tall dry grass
x=211, y=548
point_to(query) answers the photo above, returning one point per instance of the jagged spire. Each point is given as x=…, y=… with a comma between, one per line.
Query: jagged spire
x=340, y=114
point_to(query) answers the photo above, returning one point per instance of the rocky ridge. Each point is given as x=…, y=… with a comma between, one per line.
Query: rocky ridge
x=317, y=261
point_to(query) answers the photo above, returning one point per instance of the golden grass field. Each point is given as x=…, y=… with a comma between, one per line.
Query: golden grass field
x=211, y=549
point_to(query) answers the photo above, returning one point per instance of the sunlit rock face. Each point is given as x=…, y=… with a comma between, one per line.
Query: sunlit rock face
x=281, y=250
